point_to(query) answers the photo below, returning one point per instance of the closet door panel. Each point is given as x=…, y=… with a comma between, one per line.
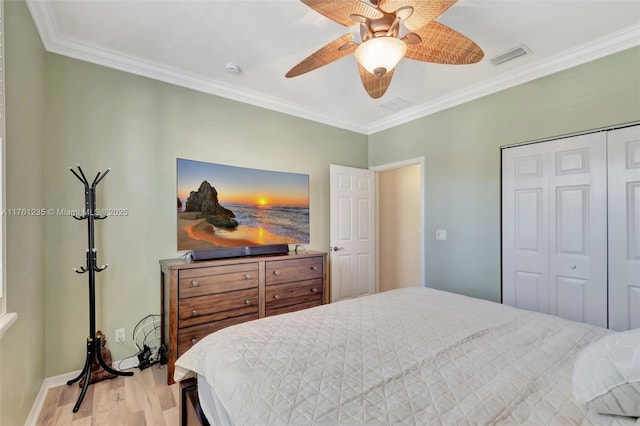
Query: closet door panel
x=624, y=228
x=578, y=229
x=527, y=290
x=525, y=227
x=570, y=298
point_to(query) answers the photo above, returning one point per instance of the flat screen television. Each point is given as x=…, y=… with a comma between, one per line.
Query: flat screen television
x=222, y=206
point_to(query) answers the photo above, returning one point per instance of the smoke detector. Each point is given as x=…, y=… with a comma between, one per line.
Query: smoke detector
x=232, y=68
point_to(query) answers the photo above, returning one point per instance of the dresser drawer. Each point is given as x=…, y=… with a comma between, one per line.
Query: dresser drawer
x=214, y=307
x=188, y=337
x=217, y=279
x=293, y=308
x=284, y=271
x=308, y=291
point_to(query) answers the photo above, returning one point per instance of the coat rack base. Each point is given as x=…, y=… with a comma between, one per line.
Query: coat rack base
x=93, y=353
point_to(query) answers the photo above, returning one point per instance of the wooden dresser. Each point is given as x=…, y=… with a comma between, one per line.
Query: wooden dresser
x=198, y=298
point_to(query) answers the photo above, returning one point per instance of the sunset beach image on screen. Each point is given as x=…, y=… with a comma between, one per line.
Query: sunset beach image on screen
x=228, y=206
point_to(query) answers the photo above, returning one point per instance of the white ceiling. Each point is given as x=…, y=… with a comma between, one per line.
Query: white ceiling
x=188, y=43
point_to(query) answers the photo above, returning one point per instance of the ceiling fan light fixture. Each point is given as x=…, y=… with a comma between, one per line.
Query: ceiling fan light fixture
x=379, y=55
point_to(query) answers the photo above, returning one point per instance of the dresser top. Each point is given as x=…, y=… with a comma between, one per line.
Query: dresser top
x=188, y=263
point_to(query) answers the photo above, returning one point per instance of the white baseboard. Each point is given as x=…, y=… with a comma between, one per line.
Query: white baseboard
x=126, y=364
x=48, y=383
x=62, y=379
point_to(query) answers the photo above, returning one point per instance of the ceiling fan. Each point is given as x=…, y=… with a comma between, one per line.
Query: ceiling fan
x=383, y=40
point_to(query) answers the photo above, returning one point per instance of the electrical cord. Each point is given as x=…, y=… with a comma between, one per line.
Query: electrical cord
x=150, y=349
x=124, y=359
x=146, y=336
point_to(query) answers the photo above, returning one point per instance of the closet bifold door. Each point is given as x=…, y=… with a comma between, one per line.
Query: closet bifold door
x=525, y=227
x=578, y=228
x=554, y=216
x=624, y=228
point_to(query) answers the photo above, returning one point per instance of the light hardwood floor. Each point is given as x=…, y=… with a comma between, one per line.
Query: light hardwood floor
x=139, y=400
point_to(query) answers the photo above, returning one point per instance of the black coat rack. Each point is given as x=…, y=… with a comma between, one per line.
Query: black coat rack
x=93, y=341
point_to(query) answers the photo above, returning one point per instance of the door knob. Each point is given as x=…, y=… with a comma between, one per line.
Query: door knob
x=336, y=248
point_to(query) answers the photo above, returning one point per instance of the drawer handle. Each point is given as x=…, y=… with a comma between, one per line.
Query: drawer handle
x=314, y=290
x=194, y=313
x=276, y=272
x=247, y=302
x=193, y=341
x=194, y=283
x=275, y=296
x=314, y=268
x=247, y=276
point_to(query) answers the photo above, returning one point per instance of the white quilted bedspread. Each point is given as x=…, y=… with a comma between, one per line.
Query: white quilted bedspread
x=411, y=356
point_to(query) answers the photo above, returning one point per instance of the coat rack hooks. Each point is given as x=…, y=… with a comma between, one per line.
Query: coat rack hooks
x=91, y=267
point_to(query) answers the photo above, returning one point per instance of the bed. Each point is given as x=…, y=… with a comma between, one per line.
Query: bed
x=412, y=356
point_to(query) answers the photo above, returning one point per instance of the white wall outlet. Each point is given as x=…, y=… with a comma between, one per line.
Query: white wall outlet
x=120, y=335
x=441, y=234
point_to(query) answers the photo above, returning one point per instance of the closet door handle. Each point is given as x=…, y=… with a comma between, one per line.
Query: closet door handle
x=572, y=266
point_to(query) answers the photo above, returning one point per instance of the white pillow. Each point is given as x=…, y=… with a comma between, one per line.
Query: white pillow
x=606, y=375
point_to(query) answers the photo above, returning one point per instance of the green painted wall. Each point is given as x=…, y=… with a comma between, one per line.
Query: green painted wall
x=68, y=111
x=22, y=349
x=102, y=118
x=461, y=146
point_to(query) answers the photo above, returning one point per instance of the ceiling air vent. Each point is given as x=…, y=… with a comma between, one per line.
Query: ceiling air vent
x=510, y=54
x=395, y=104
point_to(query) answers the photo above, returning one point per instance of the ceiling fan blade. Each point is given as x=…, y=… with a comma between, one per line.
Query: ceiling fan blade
x=340, y=11
x=423, y=11
x=374, y=85
x=444, y=45
x=331, y=52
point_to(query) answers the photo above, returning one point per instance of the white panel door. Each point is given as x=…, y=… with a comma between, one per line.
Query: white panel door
x=578, y=228
x=554, y=228
x=624, y=228
x=525, y=228
x=352, y=251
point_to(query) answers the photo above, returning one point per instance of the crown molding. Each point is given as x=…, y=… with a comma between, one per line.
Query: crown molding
x=612, y=43
x=53, y=42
